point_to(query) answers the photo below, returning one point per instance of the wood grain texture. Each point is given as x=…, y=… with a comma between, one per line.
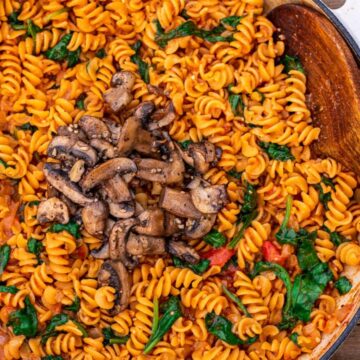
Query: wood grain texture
x=350, y=349
x=333, y=80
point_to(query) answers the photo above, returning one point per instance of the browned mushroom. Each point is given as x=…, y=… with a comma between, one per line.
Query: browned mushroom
x=128, y=135
x=178, y=203
x=94, y=217
x=183, y=251
x=77, y=171
x=53, y=209
x=106, y=171
x=209, y=200
x=169, y=172
x=122, y=210
x=103, y=252
x=117, y=241
x=120, y=95
x=173, y=224
x=116, y=190
x=73, y=131
x=94, y=128
x=162, y=117
x=64, y=146
x=59, y=180
x=197, y=228
x=146, y=143
x=115, y=130
x=138, y=245
x=114, y=274
x=151, y=222
x=105, y=149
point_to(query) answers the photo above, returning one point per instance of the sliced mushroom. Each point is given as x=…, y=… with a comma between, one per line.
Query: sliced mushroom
x=173, y=224
x=77, y=171
x=109, y=225
x=146, y=143
x=178, y=203
x=128, y=135
x=106, y=171
x=138, y=245
x=72, y=131
x=162, y=117
x=114, y=274
x=204, y=154
x=94, y=128
x=105, y=149
x=120, y=96
x=115, y=130
x=123, y=210
x=116, y=190
x=103, y=252
x=51, y=210
x=183, y=251
x=170, y=172
x=59, y=180
x=209, y=200
x=117, y=241
x=196, y=229
x=94, y=217
x=63, y=145
x=144, y=110
x=151, y=222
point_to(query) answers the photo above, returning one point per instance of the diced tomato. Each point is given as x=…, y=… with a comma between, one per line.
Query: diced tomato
x=82, y=251
x=272, y=253
x=219, y=256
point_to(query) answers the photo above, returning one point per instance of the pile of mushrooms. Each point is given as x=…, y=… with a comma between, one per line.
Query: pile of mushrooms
x=100, y=162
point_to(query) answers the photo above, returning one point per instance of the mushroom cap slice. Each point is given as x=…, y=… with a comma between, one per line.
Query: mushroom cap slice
x=114, y=274
x=170, y=172
x=117, y=241
x=122, y=210
x=77, y=171
x=106, y=171
x=196, y=229
x=105, y=149
x=124, y=79
x=116, y=190
x=151, y=222
x=162, y=117
x=209, y=200
x=94, y=217
x=146, y=143
x=128, y=135
x=60, y=145
x=178, y=203
x=144, y=110
x=173, y=224
x=60, y=181
x=72, y=132
x=183, y=251
x=103, y=252
x=53, y=210
x=94, y=128
x=139, y=245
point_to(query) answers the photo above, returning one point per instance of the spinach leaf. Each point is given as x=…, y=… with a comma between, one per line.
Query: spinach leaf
x=155, y=323
x=306, y=252
x=287, y=235
x=294, y=338
x=14, y=22
x=236, y=103
x=335, y=237
x=34, y=203
x=323, y=197
x=184, y=14
x=343, y=285
x=55, y=13
x=143, y=67
x=35, y=246
x=110, y=338
x=32, y=29
x=52, y=357
x=172, y=312
x=57, y=320
x=9, y=289
x=215, y=238
x=60, y=52
x=262, y=96
x=327, y=181
x=4, y=257
x=4, y=164
x=198, y=268
x=24, y=321
x=292, y=63
x=276, y=151
x=235, y=174
x=221, y=327
x=101, y=53
x=232, y=21
x=28, y=127
x=80, y=103
x=236, y=300
x=75, y=306
x=185, y=144
x=246, y=222
x=71, y=227
x=81, y=328
x=190, y=28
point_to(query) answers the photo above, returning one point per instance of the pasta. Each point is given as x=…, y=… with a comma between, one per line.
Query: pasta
x=231, y=87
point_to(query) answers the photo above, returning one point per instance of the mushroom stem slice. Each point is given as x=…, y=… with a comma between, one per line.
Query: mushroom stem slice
x=151, y=222
x=94, y=217
x=183, y=251
x=209, y=200
x=116, y=190
x=128, y=135
x=53, y=210
x=106, y=171
x=102, y=252
x=196, y=229
x=139, y=245
x=178, y=203
x=105, y=149
x=163, y=117
x=114, y=274
x=59, y=180
x=77, y=171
